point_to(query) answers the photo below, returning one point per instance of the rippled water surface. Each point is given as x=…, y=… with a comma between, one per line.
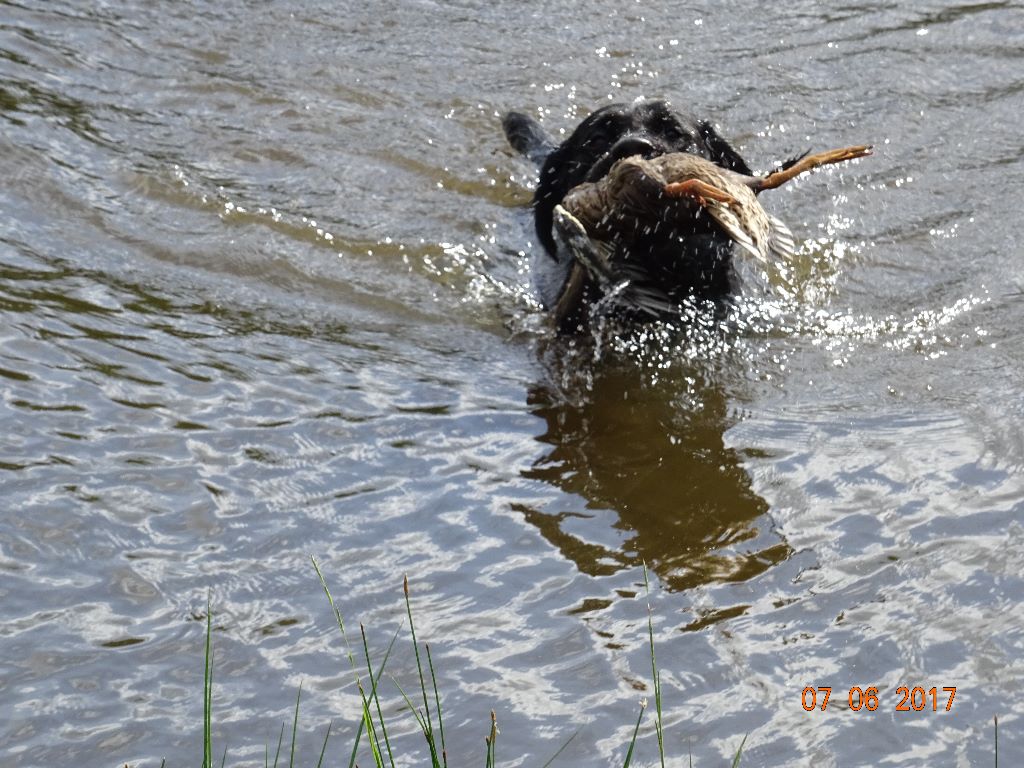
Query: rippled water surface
x=265, y=294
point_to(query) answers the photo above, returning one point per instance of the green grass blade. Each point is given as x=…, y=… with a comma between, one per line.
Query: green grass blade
x=654, y=673
x=224, y=757
x=422, y=722
x=996, y=720
x=295, y=727
x=348, y=652
x=416, y=648
x=371, y=732
x=561, y=749
x=636, y=730
x=375, y=697
x=208, y=690
x=355, y=745
x=387, y=655
x=376, y=680
x=280, y=741
x=337, y=614
x=320, y=762
x=489, y=741
x=739, y=754
x=437, y=704
x=424, y=726
x=351, y=658
x=493, y=741
x=429, y=732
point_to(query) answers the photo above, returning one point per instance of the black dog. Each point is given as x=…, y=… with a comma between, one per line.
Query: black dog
x=693, y=261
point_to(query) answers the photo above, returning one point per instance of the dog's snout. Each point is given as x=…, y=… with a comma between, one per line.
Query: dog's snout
x=627, y=146
x=634, y=145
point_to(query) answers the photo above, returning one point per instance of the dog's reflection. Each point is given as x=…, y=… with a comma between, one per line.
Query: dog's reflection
x=652, y=458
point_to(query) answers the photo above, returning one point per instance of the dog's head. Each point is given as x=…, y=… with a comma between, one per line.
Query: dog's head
x=647, y=128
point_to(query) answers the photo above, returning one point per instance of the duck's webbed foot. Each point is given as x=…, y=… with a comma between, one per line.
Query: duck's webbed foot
x=808, y=162
x=699, y=190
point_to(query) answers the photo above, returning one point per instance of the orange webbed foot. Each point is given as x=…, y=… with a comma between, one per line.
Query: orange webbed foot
x=698, y=190
x=804, y=164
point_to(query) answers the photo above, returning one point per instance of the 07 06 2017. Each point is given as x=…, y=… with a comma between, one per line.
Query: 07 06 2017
x=907, y=699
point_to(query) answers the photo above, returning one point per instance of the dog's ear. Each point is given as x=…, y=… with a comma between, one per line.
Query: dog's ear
x=721, y=150
x=528, y=137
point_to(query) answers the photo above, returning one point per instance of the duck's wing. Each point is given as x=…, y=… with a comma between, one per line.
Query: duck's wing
x=728, y=198
x=765, y=237
x=780, y=240
x=620, y=285
x=749, y=233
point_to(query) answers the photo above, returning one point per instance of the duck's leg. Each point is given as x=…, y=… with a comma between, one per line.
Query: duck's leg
x=804, y=164
x=699, y=190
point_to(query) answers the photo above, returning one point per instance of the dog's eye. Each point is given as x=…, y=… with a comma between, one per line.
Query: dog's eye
x=662, y=122
x=671, y=129
x=613, y=126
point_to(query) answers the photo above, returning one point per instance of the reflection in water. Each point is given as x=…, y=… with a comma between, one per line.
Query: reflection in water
x=653, y=454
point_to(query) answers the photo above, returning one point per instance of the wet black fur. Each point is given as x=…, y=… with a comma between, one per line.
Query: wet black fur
x=693, y=260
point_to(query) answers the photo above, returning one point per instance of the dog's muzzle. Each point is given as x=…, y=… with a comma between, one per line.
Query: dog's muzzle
x=627, y=146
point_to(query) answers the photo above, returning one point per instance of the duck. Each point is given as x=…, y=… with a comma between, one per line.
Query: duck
x=614, y=231
x=676, y=243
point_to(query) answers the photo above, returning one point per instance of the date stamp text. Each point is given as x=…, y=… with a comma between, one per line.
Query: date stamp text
x=907, y=699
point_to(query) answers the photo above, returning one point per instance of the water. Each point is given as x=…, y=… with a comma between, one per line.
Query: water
x=264, y=283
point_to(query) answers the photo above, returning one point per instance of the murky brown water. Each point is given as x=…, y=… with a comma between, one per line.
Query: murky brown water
x=264, y=293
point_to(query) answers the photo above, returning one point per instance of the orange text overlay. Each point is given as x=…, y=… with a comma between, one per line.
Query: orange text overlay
x=906, y=699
